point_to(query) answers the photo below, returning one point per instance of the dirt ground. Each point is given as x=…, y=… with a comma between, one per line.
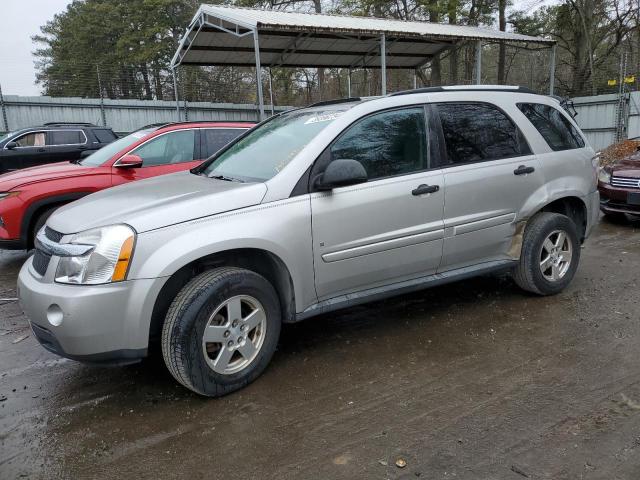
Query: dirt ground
x=473, y=380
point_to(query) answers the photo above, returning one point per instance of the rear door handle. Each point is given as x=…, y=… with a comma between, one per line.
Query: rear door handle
x=522, y=170
x=422, y=189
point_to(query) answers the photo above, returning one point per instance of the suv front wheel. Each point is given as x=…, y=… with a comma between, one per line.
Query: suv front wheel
x=550, y=254
x=221, y=330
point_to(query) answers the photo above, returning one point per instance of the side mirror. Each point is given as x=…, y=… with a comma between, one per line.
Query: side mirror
x=11, y=145
x=341, y=173
x=129, y=161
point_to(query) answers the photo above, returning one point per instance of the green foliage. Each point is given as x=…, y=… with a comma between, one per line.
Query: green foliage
x=130, y=41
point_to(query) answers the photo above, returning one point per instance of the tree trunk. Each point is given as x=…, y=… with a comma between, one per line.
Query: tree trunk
x=502, y=50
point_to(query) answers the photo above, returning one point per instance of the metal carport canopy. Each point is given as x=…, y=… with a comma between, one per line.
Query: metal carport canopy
x=232, y=36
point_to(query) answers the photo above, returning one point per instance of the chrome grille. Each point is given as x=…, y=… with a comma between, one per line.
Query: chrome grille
x=41, y=262
x=625, y=182
x=41, y=259
x=52, y=235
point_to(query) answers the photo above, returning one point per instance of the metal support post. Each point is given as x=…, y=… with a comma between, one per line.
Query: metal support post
x=4, y=111
x=103, y=115
x=552, y=70
x=478, y=62
x=175, y=92
x=256, y=46
x=383, y=63
x=271, y=93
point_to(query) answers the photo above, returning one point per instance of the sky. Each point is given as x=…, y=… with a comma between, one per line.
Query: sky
x=21, y=19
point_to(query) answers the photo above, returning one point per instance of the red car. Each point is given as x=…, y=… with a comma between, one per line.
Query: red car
x=619, y=186
x=29, y=196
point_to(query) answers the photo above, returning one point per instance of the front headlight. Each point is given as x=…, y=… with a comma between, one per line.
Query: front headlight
x=604, y=176
x=106, y=262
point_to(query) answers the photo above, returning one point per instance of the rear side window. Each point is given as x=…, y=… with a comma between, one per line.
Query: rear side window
x=387, y=144
x=554, y=127
x=477, y=132
x=104, y=135
x=216, y=138
x=66, y=137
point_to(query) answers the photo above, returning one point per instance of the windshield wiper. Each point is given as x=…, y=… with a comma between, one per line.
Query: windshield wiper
x=227, y=179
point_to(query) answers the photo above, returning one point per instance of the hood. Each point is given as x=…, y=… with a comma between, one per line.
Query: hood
x=52, y=171
x=156, y=202
x=626, y=167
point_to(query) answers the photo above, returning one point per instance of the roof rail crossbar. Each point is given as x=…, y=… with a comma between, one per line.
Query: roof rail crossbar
x=335, y=102
x=464, y=88
x=79, y=124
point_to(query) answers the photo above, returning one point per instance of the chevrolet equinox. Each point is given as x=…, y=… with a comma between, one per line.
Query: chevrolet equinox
x=314, y=210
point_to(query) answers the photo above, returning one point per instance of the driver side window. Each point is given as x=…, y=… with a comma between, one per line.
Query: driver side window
x=173, y=147
x=386, y=144
x=33, y=139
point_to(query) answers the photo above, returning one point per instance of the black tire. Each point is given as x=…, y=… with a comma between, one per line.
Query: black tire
x=187, y=317
x=39, y=223
x=528, y=274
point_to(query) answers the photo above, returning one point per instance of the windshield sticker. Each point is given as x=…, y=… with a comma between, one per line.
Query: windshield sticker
x=325, y=117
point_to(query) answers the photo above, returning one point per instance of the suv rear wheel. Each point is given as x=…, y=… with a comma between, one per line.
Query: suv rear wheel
x=221, y=330
x=550, y=254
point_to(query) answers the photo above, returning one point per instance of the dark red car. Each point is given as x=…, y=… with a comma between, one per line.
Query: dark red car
x=619, y=186
x=29, y=196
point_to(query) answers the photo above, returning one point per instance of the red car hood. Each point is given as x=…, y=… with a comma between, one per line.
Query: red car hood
x=12, y=180
x=626, y=167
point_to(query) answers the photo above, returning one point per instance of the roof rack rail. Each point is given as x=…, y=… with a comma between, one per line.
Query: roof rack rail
x=465, y=88
x=337, y=101
x=79, y=124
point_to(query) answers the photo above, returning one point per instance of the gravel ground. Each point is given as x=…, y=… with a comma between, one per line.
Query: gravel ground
x=473, y=380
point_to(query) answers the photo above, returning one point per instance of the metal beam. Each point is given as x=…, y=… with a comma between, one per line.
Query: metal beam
x=478, y=62
x=256, y=45
x=383, y=63
x=4, y=111
x=349, y=84
x=552, y=70
x=175, y=91
x=415, y=78
x=271, y=93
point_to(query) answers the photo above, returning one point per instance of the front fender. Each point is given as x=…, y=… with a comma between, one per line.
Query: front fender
x=282, y=228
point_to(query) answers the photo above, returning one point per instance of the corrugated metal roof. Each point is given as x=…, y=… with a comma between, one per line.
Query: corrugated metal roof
x=293, y=39
x=266, y=19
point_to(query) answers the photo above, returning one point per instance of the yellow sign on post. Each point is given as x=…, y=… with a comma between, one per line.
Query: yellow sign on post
x=612, y=83
x=630, y=79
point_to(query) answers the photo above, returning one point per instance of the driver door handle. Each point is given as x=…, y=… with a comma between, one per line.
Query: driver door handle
x=522, y=170
x=423, y=189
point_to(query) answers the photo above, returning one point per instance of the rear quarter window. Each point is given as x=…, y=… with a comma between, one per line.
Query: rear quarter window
x=553, y=125
x=216, y=138
x=104, y=135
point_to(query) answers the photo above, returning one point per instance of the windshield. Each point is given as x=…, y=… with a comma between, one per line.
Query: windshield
x=105, y=153
x=267, y=149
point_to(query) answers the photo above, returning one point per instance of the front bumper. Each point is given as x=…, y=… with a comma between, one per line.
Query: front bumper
x=93, y=323
x=614, y=200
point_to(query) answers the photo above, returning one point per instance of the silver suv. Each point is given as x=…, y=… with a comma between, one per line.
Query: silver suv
x=314, y=210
